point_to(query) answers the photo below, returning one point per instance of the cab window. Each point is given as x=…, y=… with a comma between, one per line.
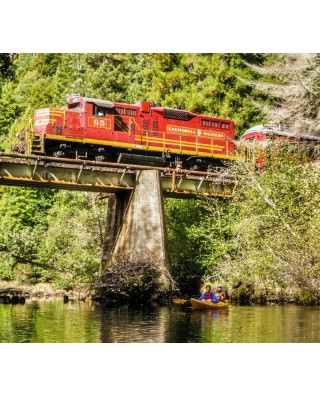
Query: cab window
x=99, y=111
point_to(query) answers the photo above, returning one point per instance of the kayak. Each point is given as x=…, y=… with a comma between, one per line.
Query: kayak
x=178, y=301
x=202, y=305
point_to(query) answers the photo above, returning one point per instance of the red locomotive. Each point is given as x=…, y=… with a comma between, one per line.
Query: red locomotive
x=142, y=133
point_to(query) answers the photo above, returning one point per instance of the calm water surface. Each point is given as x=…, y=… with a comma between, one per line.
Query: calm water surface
x=53, y=321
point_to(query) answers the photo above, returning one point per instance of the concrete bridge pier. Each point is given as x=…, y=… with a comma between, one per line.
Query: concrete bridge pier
x=117, y=205
x=136, y=227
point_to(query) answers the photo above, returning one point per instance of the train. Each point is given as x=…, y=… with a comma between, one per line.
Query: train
x=141, y=133
x=145, y=133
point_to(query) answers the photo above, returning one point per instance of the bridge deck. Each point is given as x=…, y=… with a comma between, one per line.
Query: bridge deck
x=69, y=174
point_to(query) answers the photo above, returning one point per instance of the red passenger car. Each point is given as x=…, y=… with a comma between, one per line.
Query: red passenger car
x=142, y=133
x=262, y=137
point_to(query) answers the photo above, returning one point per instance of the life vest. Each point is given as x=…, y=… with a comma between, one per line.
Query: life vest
x=207, y=295
x=222, y=295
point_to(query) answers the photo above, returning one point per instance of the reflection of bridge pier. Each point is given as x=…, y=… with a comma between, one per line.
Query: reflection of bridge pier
x=128, y=324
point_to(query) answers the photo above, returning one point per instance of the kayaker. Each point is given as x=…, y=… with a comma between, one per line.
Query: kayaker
x=209, y=296
x=222, y=295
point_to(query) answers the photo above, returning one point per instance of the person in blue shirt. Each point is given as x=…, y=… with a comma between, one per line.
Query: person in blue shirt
x=209, y=296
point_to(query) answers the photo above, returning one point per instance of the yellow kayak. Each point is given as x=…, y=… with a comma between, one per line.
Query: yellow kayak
x=178, y=301
x=202, y=305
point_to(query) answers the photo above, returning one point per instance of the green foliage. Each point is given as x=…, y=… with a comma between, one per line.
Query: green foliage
x=50, y=237
x=118, y=77
x=199, y=234
x=9, y=111
x=183, y=218
x=276, y=225
x=73, y=240
x=204, y=83
x=265, y=239
x=6, y=67
x=23, y=223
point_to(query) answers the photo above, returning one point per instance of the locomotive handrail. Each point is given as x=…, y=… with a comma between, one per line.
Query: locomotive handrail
x=28, y=134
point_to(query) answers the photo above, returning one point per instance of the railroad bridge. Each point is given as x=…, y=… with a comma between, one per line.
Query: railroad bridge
x=135, y=222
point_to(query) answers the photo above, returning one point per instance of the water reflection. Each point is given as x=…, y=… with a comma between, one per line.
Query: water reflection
x=145, y=323
x=191, y=327
x=53, y=321
x=47, y=321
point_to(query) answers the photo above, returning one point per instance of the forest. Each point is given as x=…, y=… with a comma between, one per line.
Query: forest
x=267, y=238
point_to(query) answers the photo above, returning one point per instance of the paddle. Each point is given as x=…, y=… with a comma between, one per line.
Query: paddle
x=236, y=285
x=178, y=301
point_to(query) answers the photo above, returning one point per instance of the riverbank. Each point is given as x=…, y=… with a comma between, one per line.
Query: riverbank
x=10, y=291
x=249, y=295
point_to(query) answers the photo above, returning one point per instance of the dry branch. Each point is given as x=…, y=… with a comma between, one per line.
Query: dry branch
x=133, y=278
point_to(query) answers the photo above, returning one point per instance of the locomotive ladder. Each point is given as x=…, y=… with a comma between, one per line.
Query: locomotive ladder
x=35, y=143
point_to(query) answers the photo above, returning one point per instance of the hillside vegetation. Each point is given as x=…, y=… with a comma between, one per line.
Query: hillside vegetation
x=266, y=239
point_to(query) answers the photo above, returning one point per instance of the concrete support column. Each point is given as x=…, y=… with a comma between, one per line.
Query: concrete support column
x=117, y=205
x=136, y=226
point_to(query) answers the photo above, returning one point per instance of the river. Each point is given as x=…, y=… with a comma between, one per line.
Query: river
x=53, y=321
